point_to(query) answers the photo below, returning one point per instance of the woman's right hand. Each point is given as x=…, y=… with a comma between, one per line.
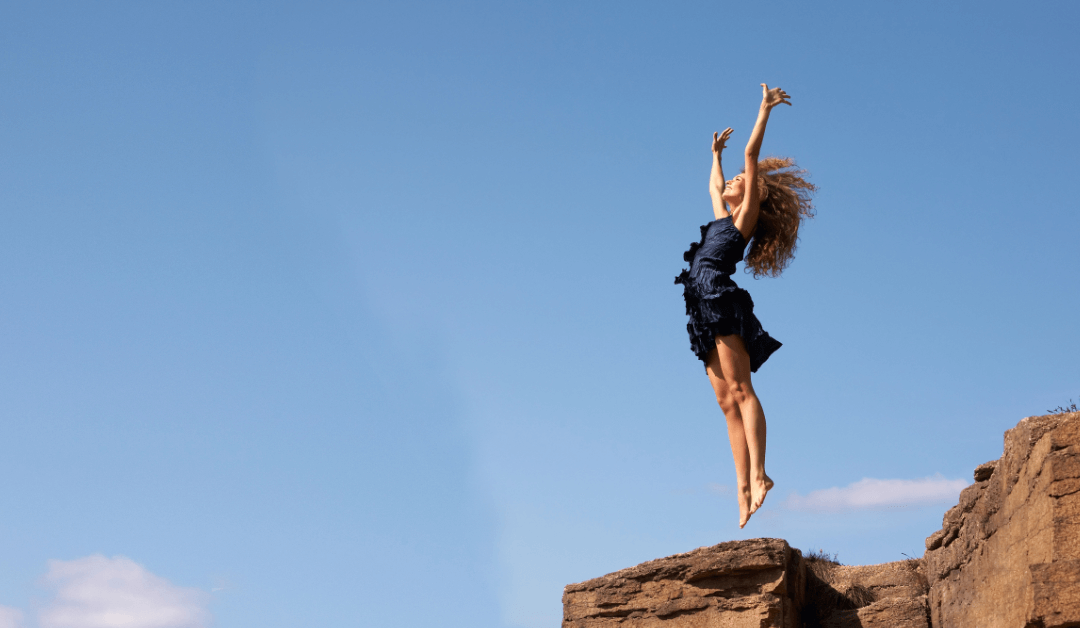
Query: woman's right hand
x=773, y=97
x=718, y=140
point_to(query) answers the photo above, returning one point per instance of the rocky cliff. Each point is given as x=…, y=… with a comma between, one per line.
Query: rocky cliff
x=739, y=583
x=754, y=583
x=1009, y=553
x=1007, y=556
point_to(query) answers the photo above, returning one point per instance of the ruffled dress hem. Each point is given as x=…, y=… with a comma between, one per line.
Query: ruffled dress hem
x=722, y=309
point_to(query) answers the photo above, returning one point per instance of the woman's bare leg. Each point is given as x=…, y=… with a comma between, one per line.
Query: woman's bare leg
x=734, y=363
x=739, y=450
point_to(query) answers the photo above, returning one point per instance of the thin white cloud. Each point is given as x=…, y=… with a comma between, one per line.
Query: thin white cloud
x=870, y=493
x=10, y=617
x=100, y=592
x=719, y=489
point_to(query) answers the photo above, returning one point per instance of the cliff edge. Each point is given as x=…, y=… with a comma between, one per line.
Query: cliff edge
x=1007, y=556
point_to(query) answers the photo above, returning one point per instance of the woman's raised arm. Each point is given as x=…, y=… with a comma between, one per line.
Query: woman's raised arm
x=746, y=215
x=716, y=177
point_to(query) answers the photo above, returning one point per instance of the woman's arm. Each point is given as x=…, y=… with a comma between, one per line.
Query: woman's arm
x=745, y=216
x=716, y=177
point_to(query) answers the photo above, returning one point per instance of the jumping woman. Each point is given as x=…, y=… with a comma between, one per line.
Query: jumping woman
x=768, y=201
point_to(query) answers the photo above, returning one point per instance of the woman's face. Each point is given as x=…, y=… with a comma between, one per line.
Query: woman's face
x=734, y=190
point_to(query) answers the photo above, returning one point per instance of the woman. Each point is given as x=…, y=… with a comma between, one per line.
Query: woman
x=768, y=201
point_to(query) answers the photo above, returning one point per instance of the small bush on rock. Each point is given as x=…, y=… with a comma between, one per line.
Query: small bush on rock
x=1063, y=409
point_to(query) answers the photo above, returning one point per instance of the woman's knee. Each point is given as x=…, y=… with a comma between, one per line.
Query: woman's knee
x=727, y=404
x=740, y=392
x=724, y=398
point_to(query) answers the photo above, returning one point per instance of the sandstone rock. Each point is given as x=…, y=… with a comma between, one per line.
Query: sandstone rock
x=755, y=583
x=891, y=613
x=891, y=595
x=761, y=583
x=902, y=579
x=985, y=470
x=1008, y=554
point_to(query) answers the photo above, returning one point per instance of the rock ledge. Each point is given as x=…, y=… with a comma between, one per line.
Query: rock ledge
x=1007, y=556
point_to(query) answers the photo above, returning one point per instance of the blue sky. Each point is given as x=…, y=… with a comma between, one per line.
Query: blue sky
x=361, y=314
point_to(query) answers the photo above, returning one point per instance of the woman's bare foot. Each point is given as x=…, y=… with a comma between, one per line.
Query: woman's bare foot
x=744, y=506
x=758, y=490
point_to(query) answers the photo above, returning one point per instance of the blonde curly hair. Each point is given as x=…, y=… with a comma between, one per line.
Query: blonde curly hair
x=785, y=202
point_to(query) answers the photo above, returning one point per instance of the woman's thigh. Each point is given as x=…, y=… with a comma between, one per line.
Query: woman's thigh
x=734, y=361
x=716, y=378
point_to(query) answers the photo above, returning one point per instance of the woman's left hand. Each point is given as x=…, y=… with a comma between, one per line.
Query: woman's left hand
x=773, y=97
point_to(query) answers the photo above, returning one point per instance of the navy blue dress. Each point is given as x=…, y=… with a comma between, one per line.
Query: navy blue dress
x=715, y=304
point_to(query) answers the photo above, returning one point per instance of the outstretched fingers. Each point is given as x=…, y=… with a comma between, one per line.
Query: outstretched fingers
x=774, y=96
x=719, y=140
